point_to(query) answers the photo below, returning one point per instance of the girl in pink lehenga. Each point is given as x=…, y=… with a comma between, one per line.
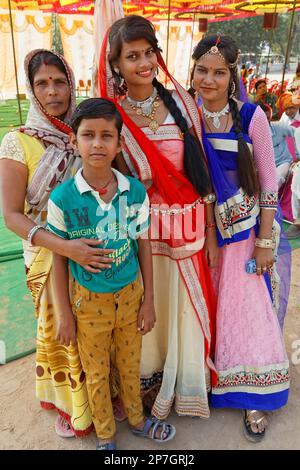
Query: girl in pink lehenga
x=252, y=364
x=161, y=146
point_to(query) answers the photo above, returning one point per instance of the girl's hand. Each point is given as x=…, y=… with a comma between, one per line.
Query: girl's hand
x=66, y=333
x=264, y=259
x=146, y=317
x=86, y=252
x=211, y=248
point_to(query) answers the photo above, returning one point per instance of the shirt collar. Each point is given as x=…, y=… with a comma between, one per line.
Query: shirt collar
x=83, y=186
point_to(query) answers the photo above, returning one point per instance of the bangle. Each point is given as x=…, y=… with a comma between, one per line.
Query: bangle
x=264, y=243
x=32, y=232
x=210, y=198
x=210, y=225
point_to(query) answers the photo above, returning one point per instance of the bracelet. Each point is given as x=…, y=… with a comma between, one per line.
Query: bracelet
x=210, y=198
x=210, y=225
x=264, y=243
x=32, y=232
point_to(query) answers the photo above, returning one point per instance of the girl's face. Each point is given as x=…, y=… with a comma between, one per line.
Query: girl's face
x=211, y=79
x=51, y=88
x=137, y=63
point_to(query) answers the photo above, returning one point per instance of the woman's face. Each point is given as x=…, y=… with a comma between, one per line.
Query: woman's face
x=137, y=63
x=52, y=89
x=211, y=78
x=261, y=89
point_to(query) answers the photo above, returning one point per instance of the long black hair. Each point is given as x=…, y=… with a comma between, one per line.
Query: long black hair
x=246, y=169
x=135, y=27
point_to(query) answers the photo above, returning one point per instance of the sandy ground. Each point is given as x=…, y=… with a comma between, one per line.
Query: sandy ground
x=24, y=425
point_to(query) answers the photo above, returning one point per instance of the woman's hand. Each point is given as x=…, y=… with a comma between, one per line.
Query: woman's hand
x=146, y=317
x=264, y=259
x=86, y=252
x=211, y=248
x=66, y=333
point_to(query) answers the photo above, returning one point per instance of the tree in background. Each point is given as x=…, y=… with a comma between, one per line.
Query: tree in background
x=250, y=36
x=56, y=45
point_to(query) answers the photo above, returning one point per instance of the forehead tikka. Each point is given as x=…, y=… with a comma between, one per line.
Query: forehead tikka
x=214, y=50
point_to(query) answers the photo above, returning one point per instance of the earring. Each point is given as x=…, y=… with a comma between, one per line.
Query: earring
x=156, y=71
x=232, y=89
x=117, y=71
x=121, y=81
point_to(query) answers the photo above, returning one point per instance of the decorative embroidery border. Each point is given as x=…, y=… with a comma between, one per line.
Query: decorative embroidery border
x=268, y=200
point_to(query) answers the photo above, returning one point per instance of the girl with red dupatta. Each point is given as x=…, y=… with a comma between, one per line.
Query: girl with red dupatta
x=161, y=146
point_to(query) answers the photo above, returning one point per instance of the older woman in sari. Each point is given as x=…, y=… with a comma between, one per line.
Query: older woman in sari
x=33, y=160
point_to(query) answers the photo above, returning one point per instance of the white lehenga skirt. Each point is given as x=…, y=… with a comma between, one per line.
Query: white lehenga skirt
x=173, y=352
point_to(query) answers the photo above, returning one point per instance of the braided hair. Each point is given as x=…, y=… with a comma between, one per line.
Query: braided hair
x=133, y=28
x=246, y=169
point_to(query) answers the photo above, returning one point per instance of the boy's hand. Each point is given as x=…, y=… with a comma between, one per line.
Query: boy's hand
x=146, y=317
x=66, y=333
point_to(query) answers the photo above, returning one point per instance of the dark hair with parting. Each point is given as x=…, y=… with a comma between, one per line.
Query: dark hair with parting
x=259, y=82
x=44, y=58
x=94, y=108
x=229, y=50
x=133, y=28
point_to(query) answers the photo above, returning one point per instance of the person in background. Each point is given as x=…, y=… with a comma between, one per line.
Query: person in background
x=263, y=96
x=282, y=155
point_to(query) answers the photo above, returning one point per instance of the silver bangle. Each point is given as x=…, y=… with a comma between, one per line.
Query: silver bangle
x=264, y=243
x=32, y=232
x=210, y=198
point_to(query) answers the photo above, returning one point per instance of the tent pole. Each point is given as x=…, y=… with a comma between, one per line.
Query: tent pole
x=168, y=37
x=15, y=62
x=288, y=45
x=272, y=39
x=191, y=51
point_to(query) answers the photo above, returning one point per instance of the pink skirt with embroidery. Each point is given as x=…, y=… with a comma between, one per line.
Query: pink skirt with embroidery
x=250, y=357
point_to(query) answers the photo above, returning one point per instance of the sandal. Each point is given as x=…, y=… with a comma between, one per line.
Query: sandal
x=253, y=417
x=108, y=446
x=62, y=427
x=151, y=426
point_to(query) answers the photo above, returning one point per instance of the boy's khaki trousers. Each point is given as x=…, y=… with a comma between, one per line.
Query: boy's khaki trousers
x=101, y=319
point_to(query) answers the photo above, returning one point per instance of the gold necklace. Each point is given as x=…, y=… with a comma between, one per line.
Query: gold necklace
x=153, y=124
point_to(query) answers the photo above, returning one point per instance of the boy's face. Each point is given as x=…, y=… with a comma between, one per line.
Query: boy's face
x=97, y=142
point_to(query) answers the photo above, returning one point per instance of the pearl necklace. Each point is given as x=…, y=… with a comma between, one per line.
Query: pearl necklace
x=216, y=115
